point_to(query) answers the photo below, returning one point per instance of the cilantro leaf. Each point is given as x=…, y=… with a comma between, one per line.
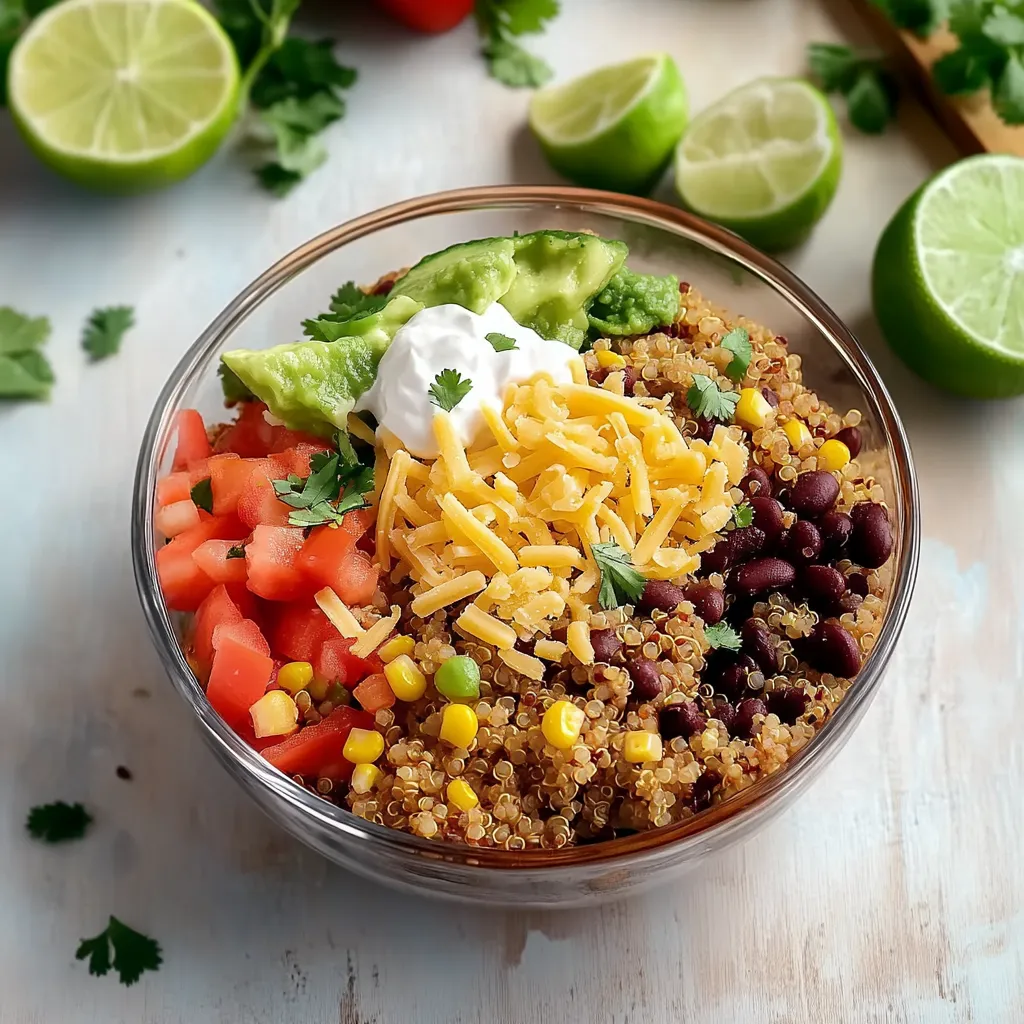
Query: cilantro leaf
x=19, y=333
x=1004, y=27
x=232, y=386
x=350, y=300
x=449, y=388
x=105, y=329
x=501, y=342
x=722, y=635
x=621, y=583
x=871, y=101
x=499, y=23
x=302, y=69
x=919, y=16
x=238, y=551
x=1008, y=95
x=833, y=65
x=24, y=370
x=133, y=952
x=707, y=401
x=57, y=822
x=962, y=71
x=202, y=495
x=515, y=67
x=737, y=341
x=743, y=515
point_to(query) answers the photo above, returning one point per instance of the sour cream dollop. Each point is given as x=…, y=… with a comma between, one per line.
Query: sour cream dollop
x=450, y=337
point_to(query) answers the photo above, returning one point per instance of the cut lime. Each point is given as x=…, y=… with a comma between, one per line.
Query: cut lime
x=764, y=161
x=614, y=128
x=948, y=278
x=124, y=95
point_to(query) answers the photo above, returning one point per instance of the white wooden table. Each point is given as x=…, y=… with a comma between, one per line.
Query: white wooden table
x=893, y=892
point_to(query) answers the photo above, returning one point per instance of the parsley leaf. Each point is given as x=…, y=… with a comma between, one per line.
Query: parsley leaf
x=737, y=341
x=501, y=342
x=743, y=515
x=707, y=401
x=105, y=329
x=202, y=495
x=57, y=822
x=449, y=388
x=621, y=583
x=238, y=551
x=133, y=952
x=722, y=635
x=24, y=370
x=870, y=91
x=499, y=22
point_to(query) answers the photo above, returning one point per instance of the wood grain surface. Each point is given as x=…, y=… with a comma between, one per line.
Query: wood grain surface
x=892, y=892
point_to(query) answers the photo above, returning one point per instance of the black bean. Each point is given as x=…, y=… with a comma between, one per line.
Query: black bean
x=768, y=518
x=830, y=648
x=871, y=541
x=605, y=643
x=662, y=595
x=733, y=679
x=680, y=720
x=708, y=602
x=705, y=429
x=803, y=543
x=703, y=789
x=598, y=374
x=857, y=583
x=761, y=645
x=849, y=602
x=743, y=724
x=770, y=397
x=646, y=679
x=814, y=493
x=763, y=574
x=717, y=559
x=737, y=546
x=726, y=714
x=850, y=436
x=756, y=482
x=789, y=703
x=835, y=529
x=822, y=584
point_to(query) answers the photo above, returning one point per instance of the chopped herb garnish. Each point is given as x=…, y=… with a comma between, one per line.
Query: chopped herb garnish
x=232, y=386
x=202, y=495
x=707, y=401
x=500, y=22
x=501, y=342
x=133, y=952
x=350, y=299
x=869, y=89
x=743, y=515
x=737, y=341
x=621, y=583
x=24, y=370
x=722, y=635
x=58, y=822
x=449, y=388
x=105, y=329
x=238, y=551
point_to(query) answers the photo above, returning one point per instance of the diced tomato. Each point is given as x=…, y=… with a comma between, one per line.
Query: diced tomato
x=323, y=555
x=356, y=579
x=359, y=521
x=192, y=441
x=428, y=15
x=335, y=663
x=250, y=435
x=316, y=748
x=218, y=608
x=212, y=557
x=228, y=478
x=296, y=458
x=176, y=518
x=299, y=632
x=238, y=679
x=258, y=504
x=183, y=583
x=374, y=693
x=243, y=631
x=270, y=558
x=173, y=487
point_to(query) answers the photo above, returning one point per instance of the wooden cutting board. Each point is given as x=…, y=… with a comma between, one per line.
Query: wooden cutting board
x=970, y=121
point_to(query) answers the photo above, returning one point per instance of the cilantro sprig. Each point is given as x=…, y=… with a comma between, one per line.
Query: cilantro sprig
x=737, y=341
x=501, y=342
x=621, y=583
x=449, y=388
x=707, y=401
x=743, y=515
x=722, y=635
x=861, y=78
x=133, y=952
x=24, y=370
x=58, y=822
x=348, y=303
x=500, y=23
x=105, y=330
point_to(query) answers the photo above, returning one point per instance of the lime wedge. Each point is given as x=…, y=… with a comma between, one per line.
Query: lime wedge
x=614, y=128
x=948, y=278
x=124, y=95
x=763, y=161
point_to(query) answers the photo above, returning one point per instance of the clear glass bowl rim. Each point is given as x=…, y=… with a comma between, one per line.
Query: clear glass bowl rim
x=255, y=771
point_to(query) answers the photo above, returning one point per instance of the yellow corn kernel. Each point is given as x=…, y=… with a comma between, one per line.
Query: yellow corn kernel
x=459, y=725
x=363, y=746
x=460, y=793
x=752, y=410
x=797, y=432
x=833, y=455
x=364, y=778
x=395, y=646
x=407, y=682
x=562, y=724
x=274, y=714
x=641, y=746
x=609, y=360
x=295, y=676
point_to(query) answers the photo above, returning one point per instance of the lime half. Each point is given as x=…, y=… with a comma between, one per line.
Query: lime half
x=763, y=161
x=614, y=128
x=948, y=278
x=124, y=95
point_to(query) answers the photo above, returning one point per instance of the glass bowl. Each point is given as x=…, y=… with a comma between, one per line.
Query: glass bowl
x=661, y=240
